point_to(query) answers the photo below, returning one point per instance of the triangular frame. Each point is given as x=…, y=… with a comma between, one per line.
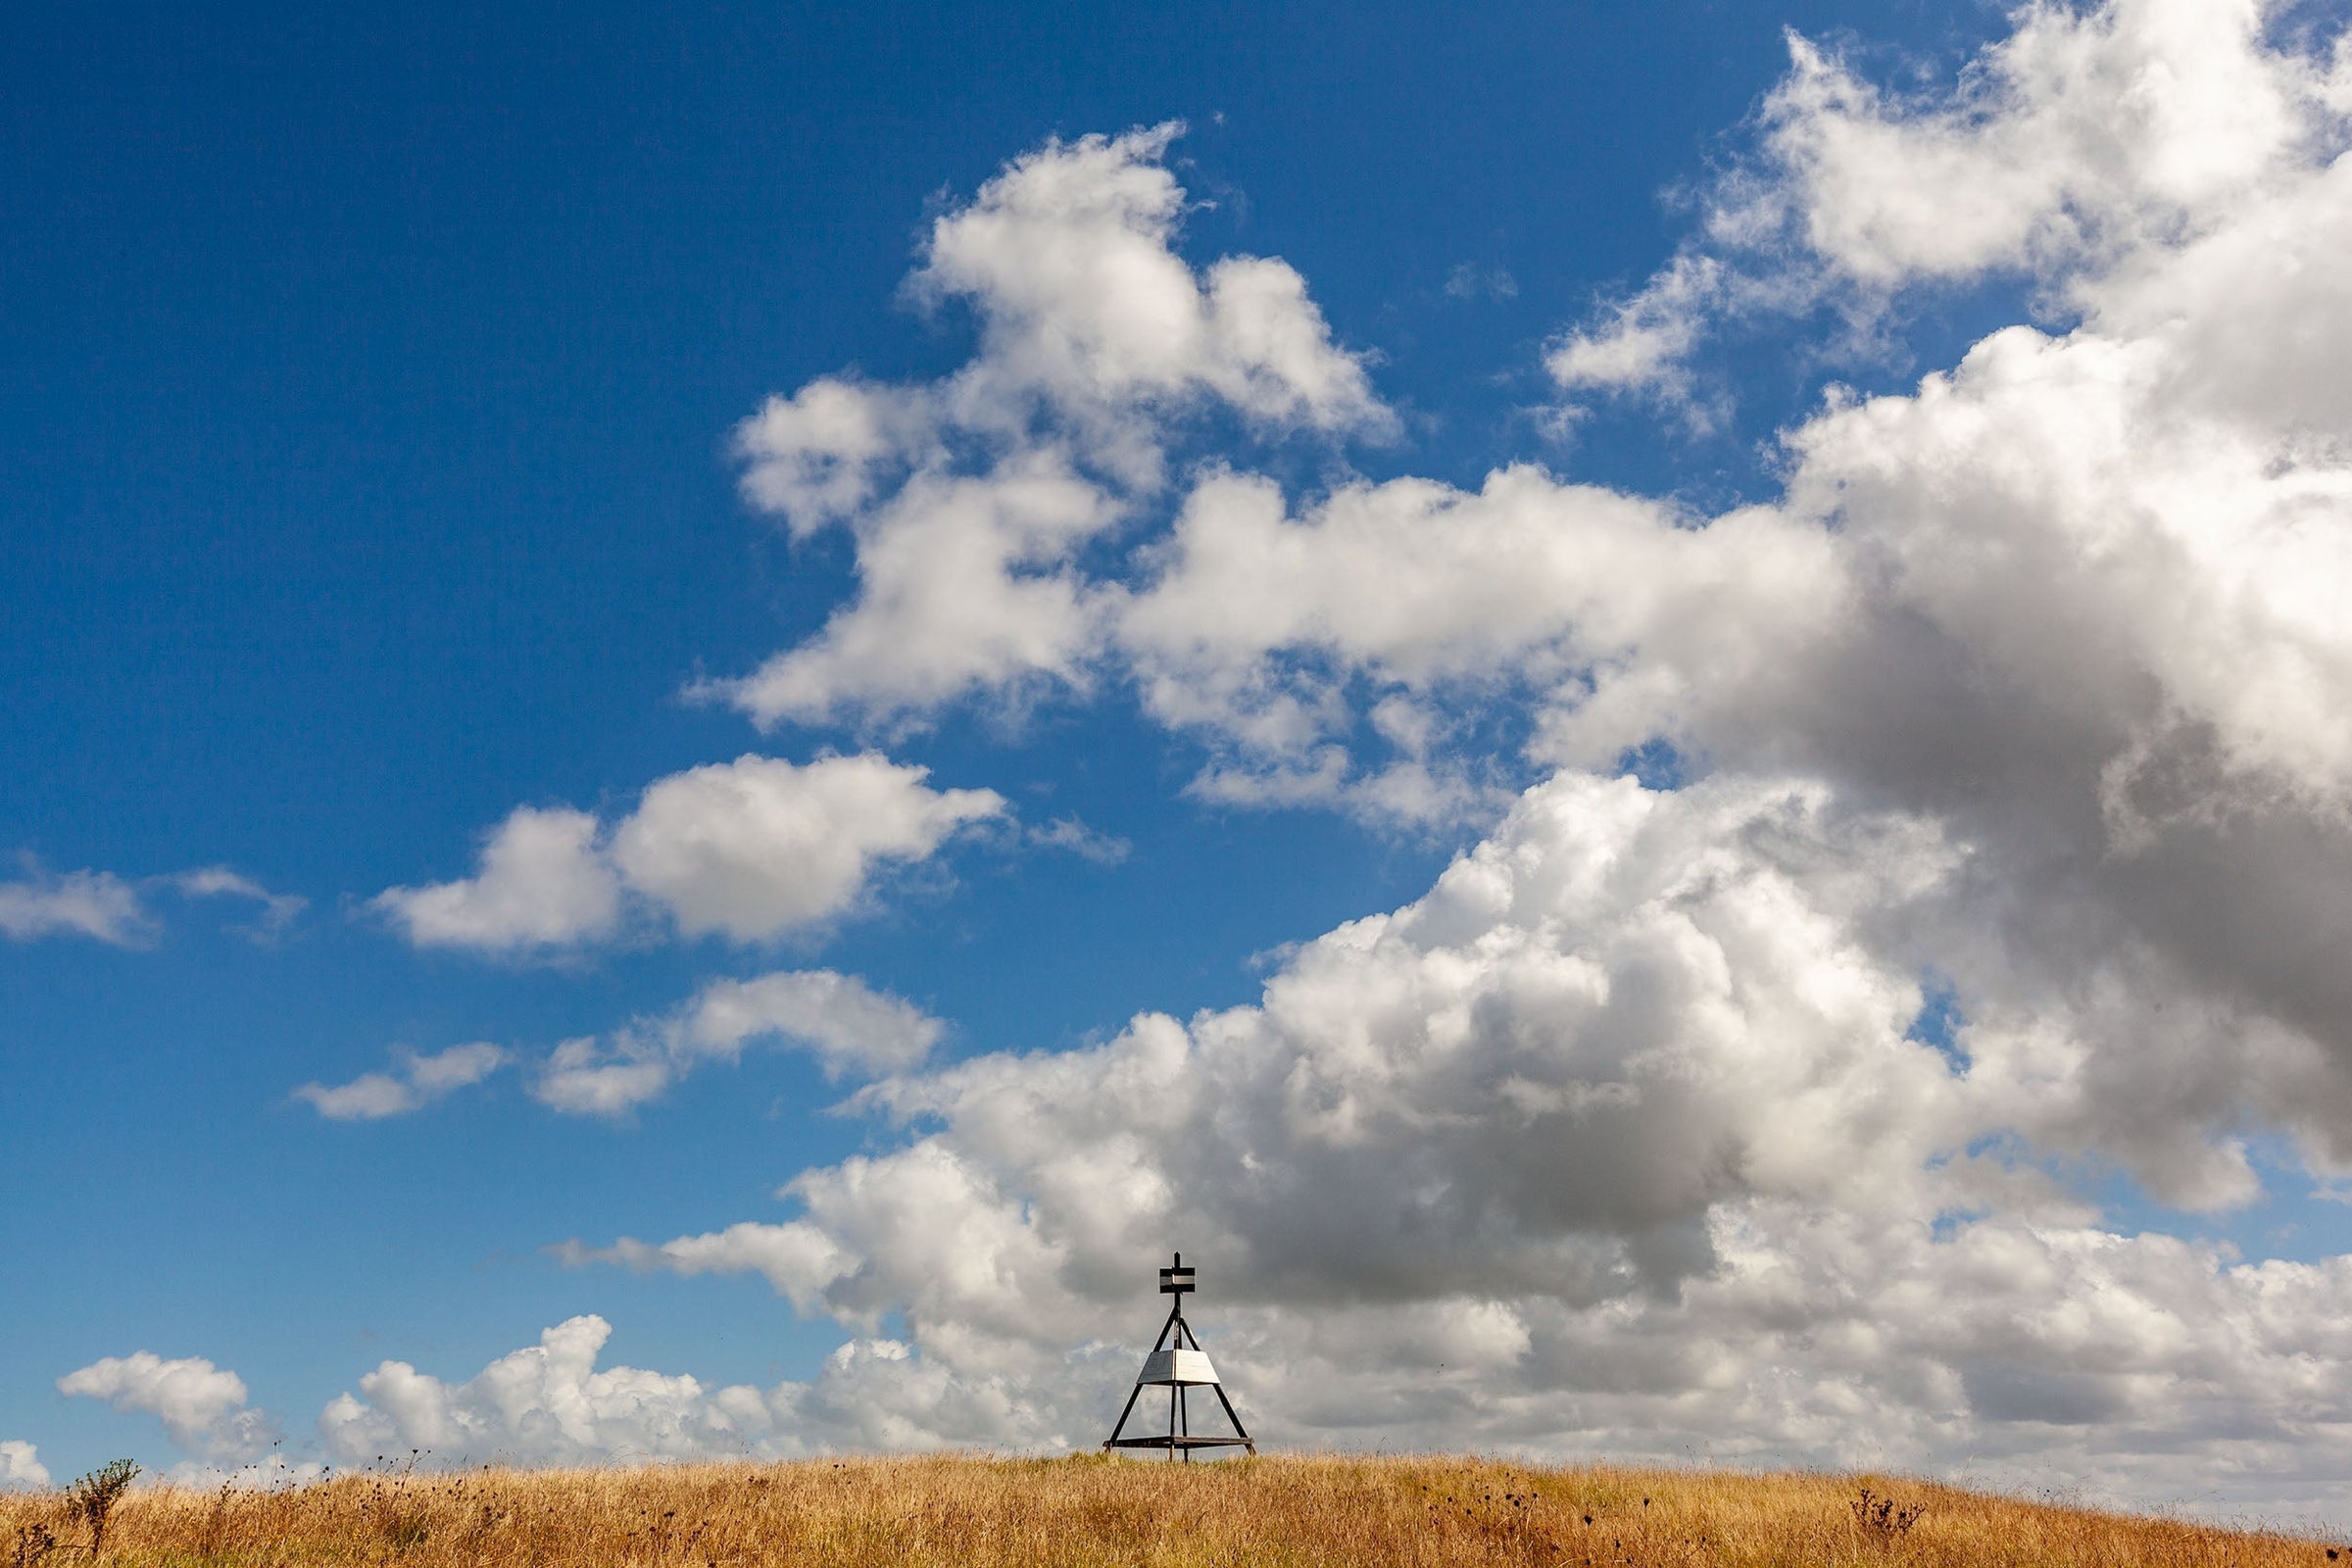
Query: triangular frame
x=1177, y=1335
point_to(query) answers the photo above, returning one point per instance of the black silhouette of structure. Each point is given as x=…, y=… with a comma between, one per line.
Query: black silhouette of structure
x=1178, y=1364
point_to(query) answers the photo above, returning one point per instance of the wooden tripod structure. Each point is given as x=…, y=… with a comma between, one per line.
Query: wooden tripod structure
x=1178, y=1364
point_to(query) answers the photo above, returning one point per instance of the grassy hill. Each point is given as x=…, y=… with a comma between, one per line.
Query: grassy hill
x=1354, y=1512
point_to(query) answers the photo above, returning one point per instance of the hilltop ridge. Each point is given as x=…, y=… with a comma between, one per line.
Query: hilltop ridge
x=1427, y=1511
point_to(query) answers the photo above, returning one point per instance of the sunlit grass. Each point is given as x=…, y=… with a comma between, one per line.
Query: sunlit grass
x=1426, y=1512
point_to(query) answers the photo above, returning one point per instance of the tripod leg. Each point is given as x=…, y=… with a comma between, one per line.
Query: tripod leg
x=1173, y=1391
x=1239, y=1430
x=1123, y=1416
x=1184, y=1423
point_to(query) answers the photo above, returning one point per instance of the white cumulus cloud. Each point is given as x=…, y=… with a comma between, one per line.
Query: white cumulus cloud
x=20, y=1465
x=1617, y=1142
x=90, y=903
x=968, y=496
x=754, y=849
x=201, y=1406
x=2089, y=137
x=550, y=1404
x=758, y=847
x=836, y=1015
x=543, y=882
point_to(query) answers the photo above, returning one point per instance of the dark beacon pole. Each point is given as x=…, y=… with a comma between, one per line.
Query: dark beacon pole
x=1178, y=1364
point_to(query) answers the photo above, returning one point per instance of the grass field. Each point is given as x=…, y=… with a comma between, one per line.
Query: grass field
x=1089, y=1511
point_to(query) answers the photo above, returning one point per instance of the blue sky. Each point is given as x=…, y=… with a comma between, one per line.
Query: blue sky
x=372, y=472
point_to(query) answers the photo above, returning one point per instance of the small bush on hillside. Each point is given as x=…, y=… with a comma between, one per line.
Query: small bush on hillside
x=1883, y=1518
x=94, y=1495
x=35, y=1544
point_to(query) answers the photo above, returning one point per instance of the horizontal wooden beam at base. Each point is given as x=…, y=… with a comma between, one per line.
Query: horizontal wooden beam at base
x=1182, y=1443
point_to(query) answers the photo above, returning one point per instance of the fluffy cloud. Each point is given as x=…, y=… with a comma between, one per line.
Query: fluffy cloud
x=1258, y=623
x=2074, y=601
x=1089, y=325
x=550, y=1404
x=1643, y=343
x=20, y=1465
x=1067, y=255
x=1617, y=1142
x=1625, y=1009
x=543, y=882
x=2033, y=680
x=202, y=1406
x=413, y=1084
x=969, y=497
x=90, y=903
x=2086, y=130
x=1242, y=627
x=963, y=589
x=753, y=849
x=758, y=847
x=2088, y=138
x=847, y=1024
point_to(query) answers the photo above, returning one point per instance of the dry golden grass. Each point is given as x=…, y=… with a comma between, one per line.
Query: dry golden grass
x=1428, y=1513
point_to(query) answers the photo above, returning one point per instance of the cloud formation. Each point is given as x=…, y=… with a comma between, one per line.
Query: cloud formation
x=20, y=1465
x=413, y=1083
x=91, y=904
x=969, y=497
x=1087, y=843
x=2031, y=687
x=754, y=849
x=278, y=909
x=202, y=1406
x=2025, y=705
x=2073, y=601
x=849, y=1026
x=549, y=1403
x=2088, y=139
x=846, y=1024
x=1093, y=331
x=113, y=909
x=543, y=882
x=1242, y=627
x=758, y=847
x=1624, y=1011
x=1620, y=1141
